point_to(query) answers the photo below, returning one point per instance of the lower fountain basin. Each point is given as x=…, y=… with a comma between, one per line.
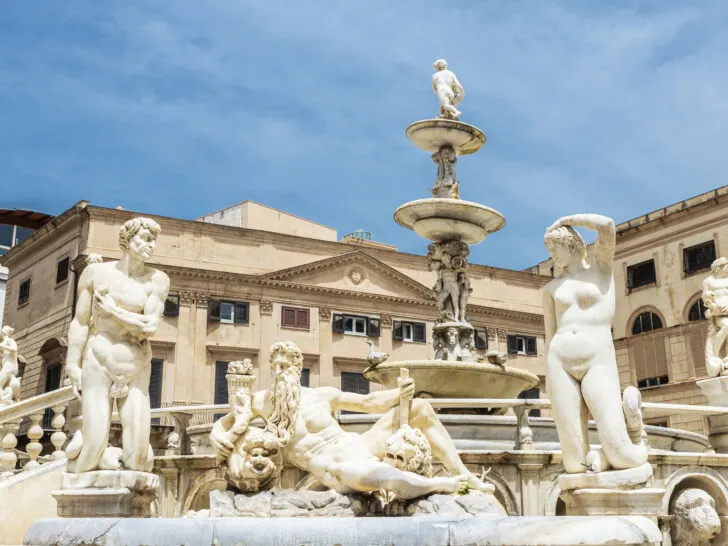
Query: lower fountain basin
x=453, y=379
x=444, y=219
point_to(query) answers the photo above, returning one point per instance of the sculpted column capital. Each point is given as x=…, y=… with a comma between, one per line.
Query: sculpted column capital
x=386, y=320
x=266, y=307
x=187, y=298
x=491, y=333
x=324, y=313
x=201, y=300
x=501, y=333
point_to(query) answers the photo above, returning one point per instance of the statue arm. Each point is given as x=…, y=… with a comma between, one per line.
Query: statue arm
x=375, y=402
x=549, y=316
x=148, y=321
x=79, y=328
x=606, y=234
x=458, y=90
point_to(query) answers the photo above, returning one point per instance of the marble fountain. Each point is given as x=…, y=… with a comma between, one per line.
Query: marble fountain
x=281, y=468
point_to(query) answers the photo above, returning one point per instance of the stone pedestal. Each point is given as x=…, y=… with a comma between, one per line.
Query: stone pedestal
x=618, y=492
x=414, y=531
x=107, y=493
x=716, y=390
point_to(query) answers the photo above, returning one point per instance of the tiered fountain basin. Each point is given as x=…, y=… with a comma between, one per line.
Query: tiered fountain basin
x=445, y=219
x=432, y=134
x=455, y=379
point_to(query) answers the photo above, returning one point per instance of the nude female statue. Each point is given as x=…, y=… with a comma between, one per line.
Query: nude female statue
x=581, y=367
x=119, y=308
x=9, y=380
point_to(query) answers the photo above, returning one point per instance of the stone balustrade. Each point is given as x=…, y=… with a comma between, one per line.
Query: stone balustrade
x=33, y=409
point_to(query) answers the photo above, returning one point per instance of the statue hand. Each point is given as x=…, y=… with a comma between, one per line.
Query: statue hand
x=406, y=388
x=103, y=303
x=73, y=371
x=222, y=441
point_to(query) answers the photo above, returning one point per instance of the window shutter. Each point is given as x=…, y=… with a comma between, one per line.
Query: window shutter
x=62, y=270
x=241, y=312
x=221, y=386
x=397, y=330
x=337, y=325
x=419, y=332
x=305, y=377
x=373, y=327
x=52, y=382
x=531, y=346
x=155, y=383
x=354, y=382
x=302, y=318
x=213, y=310
x=512, y=344
x=288, y=317
x=481, y=339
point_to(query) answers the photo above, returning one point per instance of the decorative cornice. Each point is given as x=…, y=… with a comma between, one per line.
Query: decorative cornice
x=359, y=257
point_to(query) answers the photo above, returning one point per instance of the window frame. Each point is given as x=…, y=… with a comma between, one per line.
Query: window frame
x=700, y=307
x=63, y=281
x=528, y=343
x=23, y=283
x=372, y=325
x=167, y=312
x=418, y=331
x=297, y=312
x=240, y=311
x=630, y=275
x=638, y=317
x=687, y=270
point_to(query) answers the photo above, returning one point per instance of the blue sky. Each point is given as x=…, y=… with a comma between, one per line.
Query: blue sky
x=181, y=108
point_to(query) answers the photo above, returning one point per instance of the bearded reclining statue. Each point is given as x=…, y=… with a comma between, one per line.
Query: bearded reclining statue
x=301, y=431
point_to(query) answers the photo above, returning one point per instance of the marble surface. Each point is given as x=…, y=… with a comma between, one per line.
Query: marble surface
x=417, y=531
x=448, y=89
x=432, y=134
x=9, y=370
x=715, y=298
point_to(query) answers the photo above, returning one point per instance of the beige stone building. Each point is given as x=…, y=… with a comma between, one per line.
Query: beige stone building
x=661, y=260
x=247, y=276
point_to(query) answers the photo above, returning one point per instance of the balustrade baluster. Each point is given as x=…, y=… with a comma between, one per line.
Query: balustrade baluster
x=35, y=433
x=8, y=458
x=58, y=438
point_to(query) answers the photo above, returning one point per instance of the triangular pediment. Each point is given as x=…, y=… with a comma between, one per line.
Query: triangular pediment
x=354, y=271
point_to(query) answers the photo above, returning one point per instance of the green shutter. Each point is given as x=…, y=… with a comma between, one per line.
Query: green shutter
x=373, y=327
x=397, y=330
x=512, y=344
x=213, y=310
x=419, y=332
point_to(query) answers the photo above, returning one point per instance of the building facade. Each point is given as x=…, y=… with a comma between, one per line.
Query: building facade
x=660, y=329
x=247, y=276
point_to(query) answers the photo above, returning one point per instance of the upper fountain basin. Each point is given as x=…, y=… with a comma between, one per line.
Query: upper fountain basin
x=444, y=219
x=432, y=134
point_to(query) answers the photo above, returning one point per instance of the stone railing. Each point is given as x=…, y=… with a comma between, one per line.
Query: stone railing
x=12, y=416
x=181, y=417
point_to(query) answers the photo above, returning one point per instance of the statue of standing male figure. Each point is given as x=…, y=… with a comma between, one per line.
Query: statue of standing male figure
x=119, y=307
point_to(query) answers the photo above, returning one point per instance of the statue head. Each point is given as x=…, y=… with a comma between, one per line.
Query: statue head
x=440, y=64
x=356, y=276
x=7, y=331
x=452, y=336
x=719, y=268
x=408, y=449
x=564, y=243
x=256, y=462
x=695, y=521
x=139, y=236
x=286, y=361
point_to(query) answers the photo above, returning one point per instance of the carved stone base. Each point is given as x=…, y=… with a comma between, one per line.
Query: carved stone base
x=463, y=336
x=317, y=504
x=617, y=492
x=107, y=493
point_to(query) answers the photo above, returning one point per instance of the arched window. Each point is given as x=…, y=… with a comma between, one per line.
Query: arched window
x=646, y=322
x=697, y=311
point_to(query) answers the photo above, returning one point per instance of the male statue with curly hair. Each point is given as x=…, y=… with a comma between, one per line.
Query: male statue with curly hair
x=119, y=307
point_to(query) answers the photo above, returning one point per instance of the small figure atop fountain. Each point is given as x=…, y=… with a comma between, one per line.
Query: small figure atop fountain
x=448, y=89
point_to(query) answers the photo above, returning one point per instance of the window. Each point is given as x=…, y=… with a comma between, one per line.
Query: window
x=481, y=339
x=646, y=322
x=356, y=325
x=52, y=382
x=221, y=386
x=155, y=386
x=21, y=234
x=354, y=382
x=522, y=345
x=305, y=377
x=531, y=394
x=294, y=317
x=697, y=311
x=228, y=311
x=6, y=235
x=409, y=331
x=641, y=274
x=653, y=381
x=24, y=292
x=171, y=305
x=62, y=270
x=698, y=257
